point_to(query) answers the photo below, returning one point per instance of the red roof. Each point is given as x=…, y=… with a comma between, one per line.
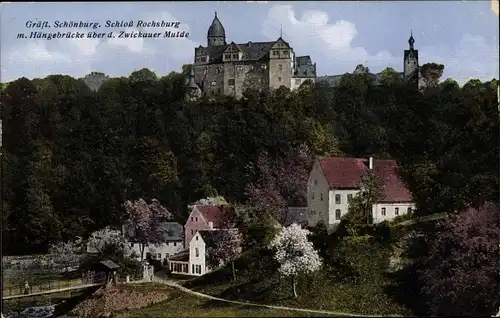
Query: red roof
x=345, y=173
x=215, y=214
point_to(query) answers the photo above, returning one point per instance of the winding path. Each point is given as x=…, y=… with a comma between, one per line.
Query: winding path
x=162, y=280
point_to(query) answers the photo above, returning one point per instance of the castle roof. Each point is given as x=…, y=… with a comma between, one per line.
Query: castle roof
x=304, y=67
x=216, y=29
x=251, y=51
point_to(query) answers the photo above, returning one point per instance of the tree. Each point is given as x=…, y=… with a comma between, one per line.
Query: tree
x=295, y=253
x=360, y=206
x=144, y=220
x=227, y=248
x=66, y=254
x=281, y=181
x=107, y=239
x=461, y=270
x=431, y=73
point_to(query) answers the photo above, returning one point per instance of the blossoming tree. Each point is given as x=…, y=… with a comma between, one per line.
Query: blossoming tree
x=108, y=238
x=66, y=254
x=145, y=222
x=295, y=253
x=227, y=248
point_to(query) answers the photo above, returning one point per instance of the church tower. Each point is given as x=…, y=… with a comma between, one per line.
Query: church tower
x=216, y=34
x=411, y=67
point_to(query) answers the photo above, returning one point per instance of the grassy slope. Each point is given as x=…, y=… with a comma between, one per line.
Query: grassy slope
x=181, y=304
x=258, y=282
x=372, y=292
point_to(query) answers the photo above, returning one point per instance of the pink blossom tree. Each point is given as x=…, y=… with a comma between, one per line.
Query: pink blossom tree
x=144, y=222
x=281, y=181
x=227, y=248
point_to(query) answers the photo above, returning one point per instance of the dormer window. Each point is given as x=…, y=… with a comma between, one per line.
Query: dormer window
x=227, y=56
x=236, y=56
x=275, y=53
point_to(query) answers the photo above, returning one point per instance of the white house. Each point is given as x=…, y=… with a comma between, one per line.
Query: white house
x=172, y=244
x=333, y=181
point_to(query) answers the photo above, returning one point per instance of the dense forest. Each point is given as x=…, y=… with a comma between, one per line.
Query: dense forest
x=71, y=156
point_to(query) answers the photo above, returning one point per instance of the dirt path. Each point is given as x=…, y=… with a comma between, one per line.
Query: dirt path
x=166, y=281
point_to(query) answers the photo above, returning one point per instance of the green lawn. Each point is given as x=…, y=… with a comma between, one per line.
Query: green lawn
x=181, y=304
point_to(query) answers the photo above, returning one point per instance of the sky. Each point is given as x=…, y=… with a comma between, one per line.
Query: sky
x=462, y=35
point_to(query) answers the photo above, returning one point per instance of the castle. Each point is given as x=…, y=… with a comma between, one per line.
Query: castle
x=230, y=69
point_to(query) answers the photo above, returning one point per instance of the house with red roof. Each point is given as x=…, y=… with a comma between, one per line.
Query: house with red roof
x=206, y=217
x=333, y=181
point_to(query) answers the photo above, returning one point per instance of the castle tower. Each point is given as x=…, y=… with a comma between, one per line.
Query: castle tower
x=216, y=34
x=411, y=67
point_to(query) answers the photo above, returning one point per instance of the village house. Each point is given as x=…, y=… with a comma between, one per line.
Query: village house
x=206, y=217
x=333, y=181
x=173, y=242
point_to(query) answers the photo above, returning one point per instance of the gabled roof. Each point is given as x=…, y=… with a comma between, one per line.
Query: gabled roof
x=345, y=173
x=209, y=237
x=219, y=215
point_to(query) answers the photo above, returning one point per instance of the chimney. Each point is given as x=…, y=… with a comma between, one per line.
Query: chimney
x=370, y=163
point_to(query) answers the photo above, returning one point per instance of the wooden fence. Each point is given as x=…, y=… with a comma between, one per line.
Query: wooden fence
x=21, y=289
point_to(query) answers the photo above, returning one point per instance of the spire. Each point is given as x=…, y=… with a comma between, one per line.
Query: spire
x=281, y=30
x=216, y=34
x=411, y=40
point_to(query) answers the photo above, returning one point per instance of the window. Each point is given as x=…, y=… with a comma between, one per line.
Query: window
x=408, y=210
x=280, y=67
x=337, y=214
x=192, y=268
x=167, y=255
x=230, y=81
x=197, y=252
x=337, y=199
x=275, y=53
x=192, y=218
x=158, y=256
x=197, y=237
x=383, y=211
x=321, y=196
x=198, y=269
x=396, y=211
x=315, y=182
x=175, y=243
x=236, y=56
x=192, y=231
x=285, y=53
x=312, y=195
x=320, y=214
x=196, y=219
x=349, y=197
x=263, y=66
x=213, y=83
x=197, y=60
x=227, y=56
x=279, y=79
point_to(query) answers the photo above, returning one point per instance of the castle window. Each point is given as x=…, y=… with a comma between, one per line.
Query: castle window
x=383, y=211
x=230, y=81
x=235, y=56
x=227, y=56
x=275, y=53
x=279, y=79
x=263, y=66
x=396, y=211
x=285, y=53
x=213, y=83
x=280, y=67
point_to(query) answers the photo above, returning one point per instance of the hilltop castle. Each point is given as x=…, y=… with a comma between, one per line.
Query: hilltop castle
x=229, y=69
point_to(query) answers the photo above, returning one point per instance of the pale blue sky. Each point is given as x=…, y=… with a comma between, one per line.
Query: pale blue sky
x=463, y=35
